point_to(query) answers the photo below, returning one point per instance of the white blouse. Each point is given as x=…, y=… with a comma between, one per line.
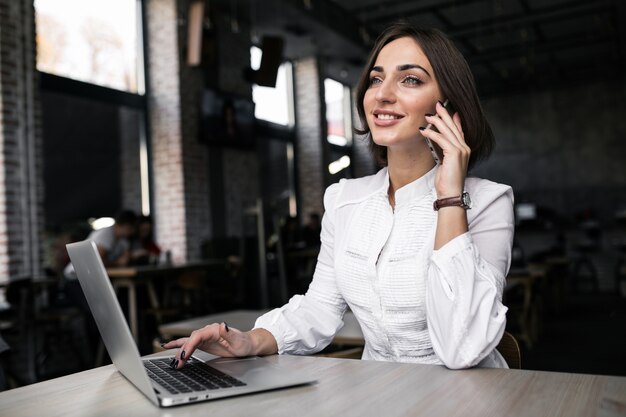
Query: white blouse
x=414, y=304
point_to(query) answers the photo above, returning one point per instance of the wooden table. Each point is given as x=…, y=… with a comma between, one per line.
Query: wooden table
x=130, y=277
x=349, y=335
x=344, y=388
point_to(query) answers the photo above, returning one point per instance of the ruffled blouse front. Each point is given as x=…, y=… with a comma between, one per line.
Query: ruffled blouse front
x=414, y=304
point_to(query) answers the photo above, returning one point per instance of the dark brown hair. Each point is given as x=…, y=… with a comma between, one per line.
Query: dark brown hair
x=455, y=81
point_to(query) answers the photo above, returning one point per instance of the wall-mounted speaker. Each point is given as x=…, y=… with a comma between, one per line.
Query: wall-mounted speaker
x=271, y=59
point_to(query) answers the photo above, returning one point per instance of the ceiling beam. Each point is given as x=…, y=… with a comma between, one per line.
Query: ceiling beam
x=378, y=6
x=466, y=43
x=490, y=87
x=553, y=45
x=382, y=17
x=562, y=11
x=68, y=86
x=538, y=32
x=336, y=18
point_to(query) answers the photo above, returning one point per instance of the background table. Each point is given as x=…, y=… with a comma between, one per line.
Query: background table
x=130, y=277
x=349, y=335
x=344, y=388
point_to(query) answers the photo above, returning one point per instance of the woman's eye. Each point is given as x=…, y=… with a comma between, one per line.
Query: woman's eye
x=375, y=80
x=412, y=81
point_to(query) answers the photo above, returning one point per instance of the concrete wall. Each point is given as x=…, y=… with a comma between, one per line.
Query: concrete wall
x=563, y=149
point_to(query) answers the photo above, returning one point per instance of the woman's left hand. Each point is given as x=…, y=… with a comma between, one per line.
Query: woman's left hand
x=450, y=178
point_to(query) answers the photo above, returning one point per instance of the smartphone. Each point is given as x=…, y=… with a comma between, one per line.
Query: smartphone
x=435, y=149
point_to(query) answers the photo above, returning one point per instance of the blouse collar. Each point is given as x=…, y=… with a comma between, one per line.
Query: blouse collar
x=413, y=190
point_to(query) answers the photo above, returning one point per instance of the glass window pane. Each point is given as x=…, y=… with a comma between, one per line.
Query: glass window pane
x=337, y=97
x=272, y=104
x=92, y=157
x=92, y=41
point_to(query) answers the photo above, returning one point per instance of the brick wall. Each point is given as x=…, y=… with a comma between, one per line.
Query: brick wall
x=182, y=198
x=165, y=126
x=195, y=155
x=312, y=172
x=309, y=137
x=21, y=187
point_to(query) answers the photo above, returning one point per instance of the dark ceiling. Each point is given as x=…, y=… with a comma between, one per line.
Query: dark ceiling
x=511, y=45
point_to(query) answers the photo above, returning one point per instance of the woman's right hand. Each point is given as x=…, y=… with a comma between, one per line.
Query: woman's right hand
x=216, y=339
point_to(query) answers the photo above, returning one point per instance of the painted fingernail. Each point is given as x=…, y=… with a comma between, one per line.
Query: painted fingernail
x=172, y=362
x=226, y=326
x=175, y=364
x=422, y=128
x=439, y=101
x=182, y=355
x=429, y=114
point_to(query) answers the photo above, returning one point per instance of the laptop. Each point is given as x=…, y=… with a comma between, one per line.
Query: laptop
x=198, y=380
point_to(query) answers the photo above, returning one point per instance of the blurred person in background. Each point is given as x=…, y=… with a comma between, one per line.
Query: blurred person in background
x=113, y=243
x=144, y=250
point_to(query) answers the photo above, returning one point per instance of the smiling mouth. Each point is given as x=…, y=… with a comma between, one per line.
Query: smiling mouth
x=381, y=116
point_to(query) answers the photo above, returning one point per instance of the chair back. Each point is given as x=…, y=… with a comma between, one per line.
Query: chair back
x=509, y=349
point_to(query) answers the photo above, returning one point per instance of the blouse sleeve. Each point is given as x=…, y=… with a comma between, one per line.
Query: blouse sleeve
x=466, y=317
x=308, y=323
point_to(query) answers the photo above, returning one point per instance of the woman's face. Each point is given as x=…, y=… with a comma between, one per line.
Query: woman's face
x=402, y=90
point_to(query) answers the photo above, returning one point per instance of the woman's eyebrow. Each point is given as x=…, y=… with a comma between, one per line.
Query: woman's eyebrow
x=405, y=67
x=402, y=67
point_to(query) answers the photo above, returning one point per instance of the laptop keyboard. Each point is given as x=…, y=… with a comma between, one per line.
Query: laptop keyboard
x=194, y=376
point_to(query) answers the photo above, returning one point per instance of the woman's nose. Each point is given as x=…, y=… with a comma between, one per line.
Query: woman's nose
x=385, y=92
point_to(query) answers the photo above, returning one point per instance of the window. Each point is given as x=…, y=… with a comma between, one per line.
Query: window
x=273, y=104
x=276, y=105
x=97, y=42
x=339, y=128
x=338, y=113
x=104, y=143
x=90, y=57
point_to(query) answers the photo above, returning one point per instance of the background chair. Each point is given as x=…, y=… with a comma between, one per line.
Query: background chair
x=46, y=339
x=509, y=349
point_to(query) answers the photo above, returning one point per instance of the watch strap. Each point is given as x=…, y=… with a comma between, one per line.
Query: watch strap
x=458, y=201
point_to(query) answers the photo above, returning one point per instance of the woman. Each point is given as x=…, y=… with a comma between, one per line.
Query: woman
x=144, y=250
x=422, y=272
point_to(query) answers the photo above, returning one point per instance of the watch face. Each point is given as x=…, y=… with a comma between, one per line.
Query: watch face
x=465, y=198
